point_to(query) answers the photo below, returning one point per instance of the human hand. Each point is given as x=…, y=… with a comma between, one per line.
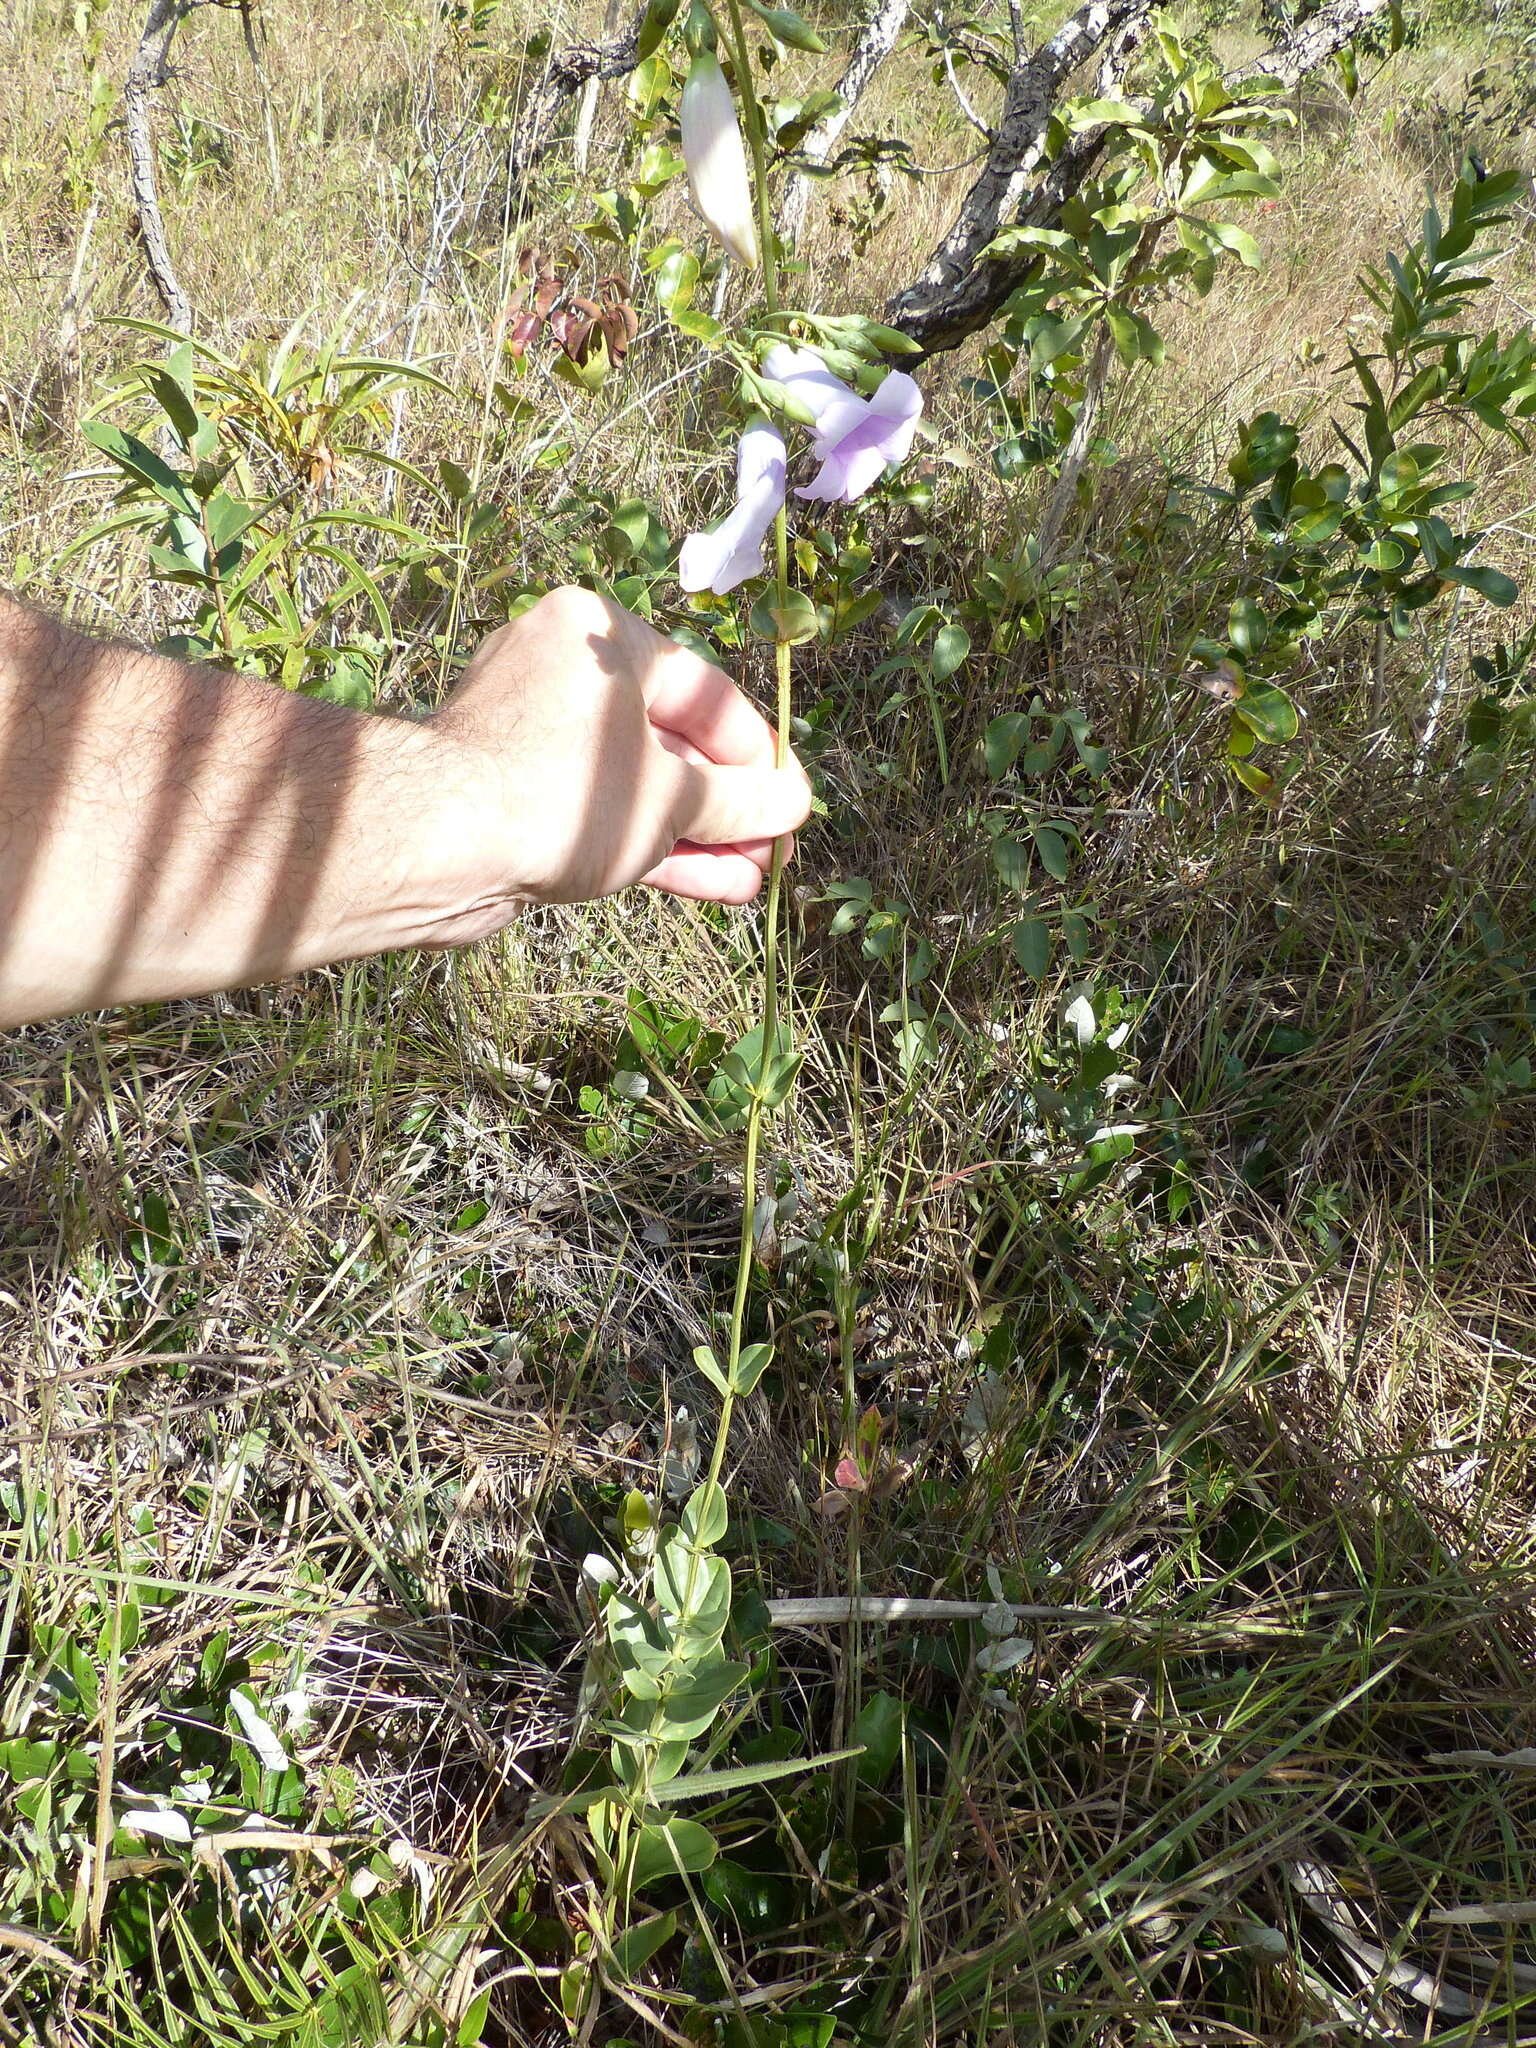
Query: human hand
x=615, y=756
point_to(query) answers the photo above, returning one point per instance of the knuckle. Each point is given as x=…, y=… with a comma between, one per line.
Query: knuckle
x=575, y=607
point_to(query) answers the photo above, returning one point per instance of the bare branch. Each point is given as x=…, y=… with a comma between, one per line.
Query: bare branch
x=566, y=75
x=958, y=291
x=879, y=37
x=1333, y=25
x=145, y=74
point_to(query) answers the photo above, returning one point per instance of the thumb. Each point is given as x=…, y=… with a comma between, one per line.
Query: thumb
x=718, y=806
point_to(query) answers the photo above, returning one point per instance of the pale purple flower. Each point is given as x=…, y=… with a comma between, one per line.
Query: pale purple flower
x=855, y=439
x=733, y=551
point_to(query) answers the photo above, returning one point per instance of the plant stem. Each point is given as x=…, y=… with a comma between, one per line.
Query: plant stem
x=753, y=123
x=752, y=116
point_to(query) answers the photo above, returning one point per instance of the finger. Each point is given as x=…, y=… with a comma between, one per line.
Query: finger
x=706, y=876
x=758, y=851
x=728, y=806
x=700, y=704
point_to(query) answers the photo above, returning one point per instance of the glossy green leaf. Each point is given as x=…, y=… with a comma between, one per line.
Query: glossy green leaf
x=1247, y=628
x=665, y=1848
x=1490, y=583
x=759, y=1902
x=677, y=279
x=1268, y=714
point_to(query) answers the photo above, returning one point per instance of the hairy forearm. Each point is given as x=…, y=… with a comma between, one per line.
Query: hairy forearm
x=167, y=830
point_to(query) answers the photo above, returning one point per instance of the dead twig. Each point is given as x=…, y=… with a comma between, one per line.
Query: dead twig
x=878, y=38
x=146, y=74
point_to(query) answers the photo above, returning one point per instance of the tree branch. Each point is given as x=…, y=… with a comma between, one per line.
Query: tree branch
x=878, y=38
x=1018, y=144
x=959, y=292
x=145, y=74
x=567, y=74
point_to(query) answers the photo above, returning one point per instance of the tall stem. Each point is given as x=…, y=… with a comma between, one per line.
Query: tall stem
x=752, y=115
x=752, y=119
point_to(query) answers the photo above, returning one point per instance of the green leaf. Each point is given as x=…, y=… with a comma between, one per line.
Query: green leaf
x=664, y=1848
x=1415, y=394
x=1265, y=444
x=1247, y=629
x=1136, y=340
x=754, y=1361
x=759, y=1901
x=1032, y=946
x=881, y=1723
x=700, y=1785
x=687, y=1709
x=1011, y=859
x=472, y=2025
x=1385, y=554
x=746, y=1070
x=1052, y=849
x=699, y=327
x=793, y=621
x=1253, y=777
x=633, y=1949
x=706, y=1515
x=693, y=1585
x=1004, y=740
x=951, y=645
x=143, y=465
x=1490, y=583
x=176, y=403
x=709, y=1365
x=676, y=282
x=1268, y=714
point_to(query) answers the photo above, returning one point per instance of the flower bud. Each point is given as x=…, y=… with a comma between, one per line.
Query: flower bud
x=718, y=179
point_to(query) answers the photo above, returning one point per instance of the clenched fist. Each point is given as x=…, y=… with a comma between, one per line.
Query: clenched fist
x=612, y=755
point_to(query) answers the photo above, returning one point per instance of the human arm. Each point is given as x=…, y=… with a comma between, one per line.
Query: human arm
x=168, y=830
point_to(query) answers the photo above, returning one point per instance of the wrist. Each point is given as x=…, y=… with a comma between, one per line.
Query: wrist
x=431, y=805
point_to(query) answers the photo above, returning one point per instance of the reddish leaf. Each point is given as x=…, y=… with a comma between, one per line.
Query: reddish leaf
x=524, y=331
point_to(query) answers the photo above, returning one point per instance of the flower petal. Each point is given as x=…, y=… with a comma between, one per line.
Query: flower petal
x=733, y=550
x=855, y=452
x=806, y=377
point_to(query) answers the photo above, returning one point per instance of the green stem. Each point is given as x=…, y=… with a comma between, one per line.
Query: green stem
x=752, y=116
x=756, y=1110
x=752, y=121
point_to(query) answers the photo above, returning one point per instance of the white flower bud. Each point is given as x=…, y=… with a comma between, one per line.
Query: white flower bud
x=716, y=157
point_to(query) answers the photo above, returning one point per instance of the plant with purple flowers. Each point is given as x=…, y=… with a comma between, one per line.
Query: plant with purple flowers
x=664, y=1622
